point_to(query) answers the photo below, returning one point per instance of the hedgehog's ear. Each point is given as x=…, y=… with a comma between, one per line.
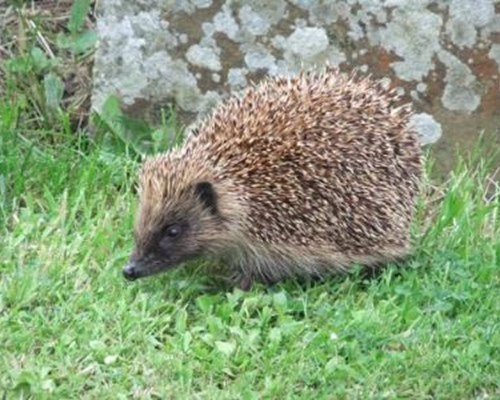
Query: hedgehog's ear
x=208, y=196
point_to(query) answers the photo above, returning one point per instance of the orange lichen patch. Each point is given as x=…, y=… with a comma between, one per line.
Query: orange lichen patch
x=490, y=102
x=482, y=66
x=435, y=81
x=377, y=58
x=434, y=89
x=380, y=59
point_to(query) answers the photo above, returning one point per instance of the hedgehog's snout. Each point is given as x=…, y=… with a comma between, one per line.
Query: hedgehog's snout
x=130, y=272
x=140, y=267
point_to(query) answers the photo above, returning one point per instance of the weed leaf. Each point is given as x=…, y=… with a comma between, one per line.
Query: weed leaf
x=40, y=60
x=84, y=42
x=54, y=88
x=79, y=12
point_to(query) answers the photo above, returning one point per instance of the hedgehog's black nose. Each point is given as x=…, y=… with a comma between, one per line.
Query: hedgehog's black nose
x=129, y=272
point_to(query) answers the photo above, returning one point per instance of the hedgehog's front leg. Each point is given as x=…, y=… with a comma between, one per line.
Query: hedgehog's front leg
x=243, y=275
x=234, y=276
x=238, y=278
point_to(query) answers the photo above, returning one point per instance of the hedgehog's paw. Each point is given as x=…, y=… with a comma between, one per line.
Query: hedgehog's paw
x=240, y=280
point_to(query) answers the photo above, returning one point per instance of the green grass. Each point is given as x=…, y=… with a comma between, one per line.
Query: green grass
x=71, y=327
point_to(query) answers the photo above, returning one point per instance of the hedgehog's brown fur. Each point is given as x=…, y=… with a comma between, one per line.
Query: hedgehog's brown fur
x=299, y=176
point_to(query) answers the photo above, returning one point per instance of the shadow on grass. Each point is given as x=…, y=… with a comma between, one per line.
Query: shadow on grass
x=201, y=278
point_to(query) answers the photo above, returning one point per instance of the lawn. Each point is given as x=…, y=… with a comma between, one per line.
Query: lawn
x=72, y=327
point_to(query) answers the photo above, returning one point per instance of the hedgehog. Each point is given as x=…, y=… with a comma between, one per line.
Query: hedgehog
x=297, y=176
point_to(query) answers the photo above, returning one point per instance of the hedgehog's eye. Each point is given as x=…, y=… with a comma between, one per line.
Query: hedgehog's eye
x=170, y=234
x=173, y=230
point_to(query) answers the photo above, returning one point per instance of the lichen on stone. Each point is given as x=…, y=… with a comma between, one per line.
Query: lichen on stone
x=307, y=42
x=428, y=129
x=204, y=57
x=438, y=53
x=461, y=91
x=236, y=77
x=494, y=54
x=465, y=17
x=412, y=34
x=253, y=22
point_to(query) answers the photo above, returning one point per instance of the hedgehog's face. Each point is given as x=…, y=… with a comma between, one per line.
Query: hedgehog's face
x=177, y=230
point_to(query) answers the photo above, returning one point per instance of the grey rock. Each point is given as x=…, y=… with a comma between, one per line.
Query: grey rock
x=192, y=52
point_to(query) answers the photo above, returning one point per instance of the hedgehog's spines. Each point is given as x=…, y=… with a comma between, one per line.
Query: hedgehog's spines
x=311, y=173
